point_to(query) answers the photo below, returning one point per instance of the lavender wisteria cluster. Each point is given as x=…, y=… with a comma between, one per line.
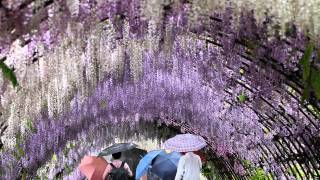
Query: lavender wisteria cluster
x=180, y=96
x=116, y=61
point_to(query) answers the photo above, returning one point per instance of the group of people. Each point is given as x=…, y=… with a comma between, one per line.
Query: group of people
x=184, y=162
x=189, y=168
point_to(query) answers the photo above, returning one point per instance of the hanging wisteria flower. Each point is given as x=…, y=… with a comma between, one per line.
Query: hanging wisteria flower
x=209, y=72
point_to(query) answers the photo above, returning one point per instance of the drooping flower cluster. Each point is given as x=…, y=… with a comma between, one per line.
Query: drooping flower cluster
x=238, y=87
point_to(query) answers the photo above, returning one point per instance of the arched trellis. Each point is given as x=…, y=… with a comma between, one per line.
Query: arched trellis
x=215, y=32
x=290, y=151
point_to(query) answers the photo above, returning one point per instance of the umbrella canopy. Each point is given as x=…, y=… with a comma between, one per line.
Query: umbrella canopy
x=165, y=165
x=145, y=163
x=93, y=167
x=185, y=143
x=119, y=147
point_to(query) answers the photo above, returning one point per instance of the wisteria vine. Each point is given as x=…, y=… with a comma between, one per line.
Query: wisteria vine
x=237, y=86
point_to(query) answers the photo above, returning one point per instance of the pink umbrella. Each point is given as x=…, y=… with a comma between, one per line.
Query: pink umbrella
x=93, y=167
x=185, y=143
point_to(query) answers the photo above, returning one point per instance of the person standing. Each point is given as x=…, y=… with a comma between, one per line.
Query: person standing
x=117, y=169
x=189, y=167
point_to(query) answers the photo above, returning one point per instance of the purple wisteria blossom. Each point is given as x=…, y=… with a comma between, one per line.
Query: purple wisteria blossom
x=234, y=85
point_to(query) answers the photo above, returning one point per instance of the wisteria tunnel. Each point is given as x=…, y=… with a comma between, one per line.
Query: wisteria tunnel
x=78, y=75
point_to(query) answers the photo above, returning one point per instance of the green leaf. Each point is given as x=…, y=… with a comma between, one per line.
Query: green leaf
x=8, y=73
x=20, y=152
x=54, y=158
x=306, y=64
x=30, y=126
x=266, y=130
x=24, y=175
x=242, y=98
x=67, y=169
x=66, y=152
x=208, y=170
x=315, y=172
x=314, y=110
x=241, y=71
x=103, y=104
x=15, y=154
x=72, y=145
x=18, y=137
x=259, y=174
x=291, y=90
x=315, y=81
x=252, y=45
x=246, y=164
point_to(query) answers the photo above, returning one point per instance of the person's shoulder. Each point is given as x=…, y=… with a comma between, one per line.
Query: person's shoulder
x=196, y=156
x=126, y=164
x=108, y=168
x=199, y=159
x=183, y=158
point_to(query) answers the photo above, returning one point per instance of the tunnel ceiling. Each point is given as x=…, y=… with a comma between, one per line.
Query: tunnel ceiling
x=243, y=75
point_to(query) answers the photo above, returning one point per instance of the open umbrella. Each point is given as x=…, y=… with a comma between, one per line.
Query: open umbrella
x=130, y=154
x=119, y=147
x=93, y=167
x=185, y=143
x=132, y=158
x=165, y=165
x=145, y=163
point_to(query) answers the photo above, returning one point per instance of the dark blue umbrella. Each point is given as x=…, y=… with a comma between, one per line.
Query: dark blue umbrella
x=145, y=163
x=165, y=165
